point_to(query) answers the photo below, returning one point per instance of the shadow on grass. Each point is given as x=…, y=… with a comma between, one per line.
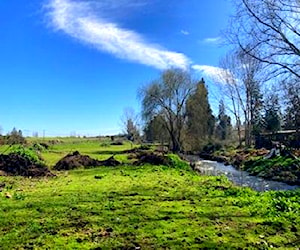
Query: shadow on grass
x=112, y=152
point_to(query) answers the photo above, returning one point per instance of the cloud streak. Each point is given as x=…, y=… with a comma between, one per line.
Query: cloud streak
x=184, y=32
x=218, y=75
x=212, y=40
x=78, y=20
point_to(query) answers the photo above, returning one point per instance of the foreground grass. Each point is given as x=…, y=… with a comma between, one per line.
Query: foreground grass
x=147, y=207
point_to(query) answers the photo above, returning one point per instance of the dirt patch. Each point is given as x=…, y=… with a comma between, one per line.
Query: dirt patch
x=14, y=164
x=76, y=160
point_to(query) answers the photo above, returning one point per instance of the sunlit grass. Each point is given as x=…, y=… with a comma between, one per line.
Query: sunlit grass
x=148, y=207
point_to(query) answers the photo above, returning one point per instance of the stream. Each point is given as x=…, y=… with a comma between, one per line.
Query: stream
x=240, y=178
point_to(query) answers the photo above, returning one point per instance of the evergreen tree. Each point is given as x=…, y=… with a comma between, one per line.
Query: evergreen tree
x=223, y=128
x=156, y=131
x=272, y=115
x=200, y=121
x=292, y=111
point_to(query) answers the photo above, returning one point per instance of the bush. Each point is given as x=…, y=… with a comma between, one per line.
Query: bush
x=211, y=147
x=105, y=144
x=37, y=147
x=176, y=162
x=27, y=153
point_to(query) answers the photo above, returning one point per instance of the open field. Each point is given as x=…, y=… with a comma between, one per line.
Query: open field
x=97, y=148
x=145, y=207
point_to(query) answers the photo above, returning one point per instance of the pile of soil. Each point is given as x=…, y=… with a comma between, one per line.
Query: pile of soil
x=14, y=164
x=110, y=162
x=151, y=158
x=76, y=160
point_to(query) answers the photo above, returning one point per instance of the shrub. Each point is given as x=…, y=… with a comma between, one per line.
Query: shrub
x=105, y=144
x=37, y=147
x=211, y=147
x=176, y=162
x=27, y=153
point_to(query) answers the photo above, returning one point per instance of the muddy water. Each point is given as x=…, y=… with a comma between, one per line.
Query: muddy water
x=238, y=177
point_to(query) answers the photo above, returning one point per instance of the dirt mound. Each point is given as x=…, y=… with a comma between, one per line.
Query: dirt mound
x=151, y=158
x=14, y=164
x=110, y=162
x=76, y=160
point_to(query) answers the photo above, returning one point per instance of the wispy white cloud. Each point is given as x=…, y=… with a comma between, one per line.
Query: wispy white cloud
x=78, y=20
x=212, y=40
x=184, y=32
x=216, y=74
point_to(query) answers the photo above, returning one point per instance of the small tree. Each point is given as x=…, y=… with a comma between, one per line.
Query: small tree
x=223, y=128
x=130, y=126
x=15, y=137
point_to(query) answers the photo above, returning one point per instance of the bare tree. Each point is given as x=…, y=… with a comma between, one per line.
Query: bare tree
x=241, y=80
x=230, y=89
x=166, y=97
x=272, y=28
x=130, y=126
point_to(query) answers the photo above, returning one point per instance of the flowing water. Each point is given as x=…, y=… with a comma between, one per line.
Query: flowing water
x=241, y=178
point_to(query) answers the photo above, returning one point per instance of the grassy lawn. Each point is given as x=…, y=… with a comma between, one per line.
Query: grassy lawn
x=147, y=207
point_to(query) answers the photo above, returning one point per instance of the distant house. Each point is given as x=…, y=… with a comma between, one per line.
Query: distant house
x=290, y=138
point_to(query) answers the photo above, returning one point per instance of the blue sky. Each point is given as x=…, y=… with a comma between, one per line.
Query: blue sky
x=73, y=65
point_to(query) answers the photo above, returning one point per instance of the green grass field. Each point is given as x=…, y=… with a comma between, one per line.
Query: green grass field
x=146, y=207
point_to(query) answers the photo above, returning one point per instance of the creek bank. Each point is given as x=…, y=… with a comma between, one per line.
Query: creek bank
x=239, y=177
x=277, y=168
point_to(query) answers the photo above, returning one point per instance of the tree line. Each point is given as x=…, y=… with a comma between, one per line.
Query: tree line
x=258, y=81
x=261, y=72
x=176, y=111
